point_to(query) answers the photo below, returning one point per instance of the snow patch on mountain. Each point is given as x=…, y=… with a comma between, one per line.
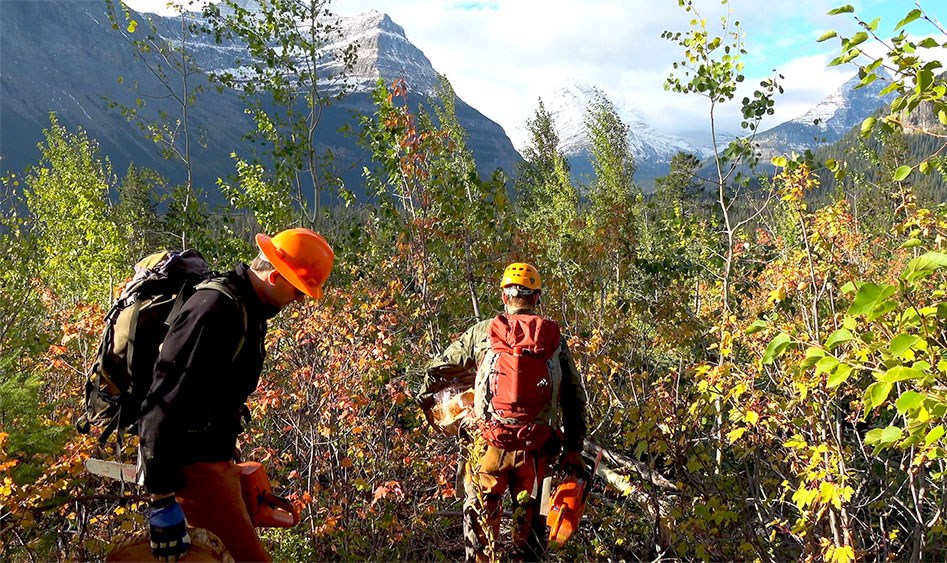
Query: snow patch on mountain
x=829, y=120
x=383, y=51
x=568, y=108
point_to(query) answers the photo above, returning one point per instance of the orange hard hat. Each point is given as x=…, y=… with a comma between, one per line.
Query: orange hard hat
x=301, y=256
x=521, y=273
x=565, y=510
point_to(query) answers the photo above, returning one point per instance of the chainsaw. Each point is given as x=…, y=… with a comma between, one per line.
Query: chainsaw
x=266, y=509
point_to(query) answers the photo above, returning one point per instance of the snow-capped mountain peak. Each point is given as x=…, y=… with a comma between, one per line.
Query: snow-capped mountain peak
x=835, y=112
x=568, y=108
x=383, y=52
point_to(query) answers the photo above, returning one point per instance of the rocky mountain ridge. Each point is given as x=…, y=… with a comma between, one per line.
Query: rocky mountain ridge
x=74, y=72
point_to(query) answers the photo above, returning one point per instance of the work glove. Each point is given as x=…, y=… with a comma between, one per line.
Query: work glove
x=169, y=538
x=571, y=463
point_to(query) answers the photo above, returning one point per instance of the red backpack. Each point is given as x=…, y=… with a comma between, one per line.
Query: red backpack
x=518, y=382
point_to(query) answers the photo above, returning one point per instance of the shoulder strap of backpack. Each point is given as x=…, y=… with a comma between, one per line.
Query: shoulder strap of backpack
x=225, y=286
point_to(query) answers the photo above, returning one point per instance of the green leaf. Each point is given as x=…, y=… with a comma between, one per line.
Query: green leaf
x=827, y=363
x=902, y=343
x=935, y=434
x=882, y=309
x=901, y=173
x=869, y=296
x=780, y=161
x=880, y=437
x=899, y=373
x=908, y=401
x=842, y=373
x=912, y=15
x=876, y=394
x=858, y=39
x=813, y=355
x=911, y=243
x=756, y=326
x=923, y=266
x=840, y=336
x=890, y=434
x=776, y=347
x=846, y=9
x=826, y=36
x=867, y=124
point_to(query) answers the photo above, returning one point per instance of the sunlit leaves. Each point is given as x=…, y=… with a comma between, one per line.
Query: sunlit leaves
x=872, y=300
x=838, y=337
x=876, y=394
x=902, y=343
x=910, y=17
x=923, y=266
x=901, y=173
x=900, y=373
x=881, y=437
x=909, y=401
x=845, y=9
x=934, y=435
x=840, y=375
x=776, y=347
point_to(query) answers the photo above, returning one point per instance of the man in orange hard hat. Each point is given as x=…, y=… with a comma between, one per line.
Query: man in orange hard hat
x=209, y=363
x=529, y=409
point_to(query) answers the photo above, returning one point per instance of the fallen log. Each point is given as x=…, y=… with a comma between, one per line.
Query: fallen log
x=654, y=507
x=591, y=449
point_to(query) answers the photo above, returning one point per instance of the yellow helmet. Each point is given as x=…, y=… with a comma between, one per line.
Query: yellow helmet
x=521, y=273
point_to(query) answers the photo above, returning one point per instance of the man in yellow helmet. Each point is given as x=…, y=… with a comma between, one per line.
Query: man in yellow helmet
x=529, y=409
x=209, y=363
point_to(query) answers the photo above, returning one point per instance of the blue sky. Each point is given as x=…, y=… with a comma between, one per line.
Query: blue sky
x=502, y=55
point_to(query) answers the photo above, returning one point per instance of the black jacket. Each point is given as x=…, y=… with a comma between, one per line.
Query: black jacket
x=192, y=411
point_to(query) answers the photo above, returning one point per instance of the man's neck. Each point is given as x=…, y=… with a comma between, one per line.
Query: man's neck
x=519, y=310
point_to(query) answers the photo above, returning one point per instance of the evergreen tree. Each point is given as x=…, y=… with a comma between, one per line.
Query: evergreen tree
x=136, y=213
x=676, y=192
x=541, y=157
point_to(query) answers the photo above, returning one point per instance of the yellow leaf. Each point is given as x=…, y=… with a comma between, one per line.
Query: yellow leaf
x=841, y=554
x=752, y=418
x=735, y=434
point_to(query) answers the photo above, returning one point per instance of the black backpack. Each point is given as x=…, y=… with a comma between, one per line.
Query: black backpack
x=135, y=327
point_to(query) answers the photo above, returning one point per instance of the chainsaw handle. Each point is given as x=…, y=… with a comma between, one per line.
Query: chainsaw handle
x=275, y=512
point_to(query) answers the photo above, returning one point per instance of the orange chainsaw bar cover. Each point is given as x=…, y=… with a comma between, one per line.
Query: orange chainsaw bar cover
x=565, y=510
x=266, y=509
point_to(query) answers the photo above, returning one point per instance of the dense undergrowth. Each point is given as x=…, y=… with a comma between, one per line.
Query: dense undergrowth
x=777, y=356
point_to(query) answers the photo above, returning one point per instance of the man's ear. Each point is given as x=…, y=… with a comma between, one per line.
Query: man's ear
x=272, y=276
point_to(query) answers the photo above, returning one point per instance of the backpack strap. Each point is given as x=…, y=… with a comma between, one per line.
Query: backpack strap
x=114, y=424
x=225, y=286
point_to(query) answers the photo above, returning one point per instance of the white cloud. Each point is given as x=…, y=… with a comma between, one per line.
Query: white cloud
x=501, y=55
